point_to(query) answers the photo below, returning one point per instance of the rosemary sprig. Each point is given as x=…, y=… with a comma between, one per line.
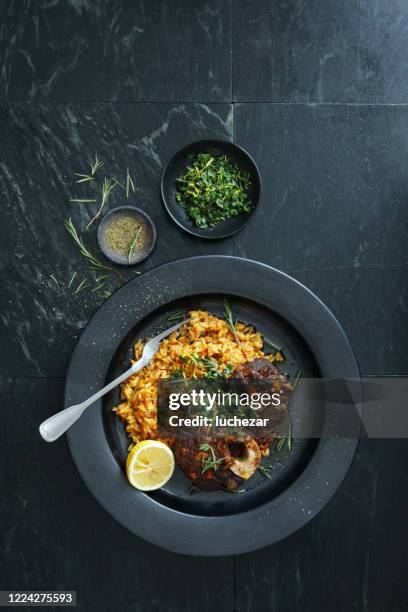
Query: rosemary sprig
x=134, y=243
x=209, y=463
x=266, y=470
x=177, y=315
x=96, y=165
x=93, y=262
x=230, y=320
x=107, y=186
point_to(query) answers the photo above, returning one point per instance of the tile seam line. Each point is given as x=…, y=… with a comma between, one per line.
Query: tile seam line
x=10, y=378
x=213, y=102
x=232, y=51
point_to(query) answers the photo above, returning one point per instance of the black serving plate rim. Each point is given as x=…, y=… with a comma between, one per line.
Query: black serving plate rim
x=196, y=231
x=209, y=535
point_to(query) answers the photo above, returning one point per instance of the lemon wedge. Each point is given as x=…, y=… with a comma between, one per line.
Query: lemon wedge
x=149, y=465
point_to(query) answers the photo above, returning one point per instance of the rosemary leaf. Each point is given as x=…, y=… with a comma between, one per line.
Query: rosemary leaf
x=72, y=279
x=55, y=280
x=298, y=377
x=281, y=442
x=83, y=177
x=272, y=344
x=81, y=286
x=83, y=200
x=134, y=243
x=290, y=439
x=129, y=183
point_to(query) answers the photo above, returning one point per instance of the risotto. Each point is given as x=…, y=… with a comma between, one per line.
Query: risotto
x=205, y=344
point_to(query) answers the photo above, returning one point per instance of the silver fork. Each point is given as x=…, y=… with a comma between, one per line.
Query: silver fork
x=55, y=426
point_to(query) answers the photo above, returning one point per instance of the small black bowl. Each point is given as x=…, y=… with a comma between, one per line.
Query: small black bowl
x=142, y=217
x=176, y=167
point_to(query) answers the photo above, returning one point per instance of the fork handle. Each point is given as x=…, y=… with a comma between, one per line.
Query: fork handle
x=52, y=428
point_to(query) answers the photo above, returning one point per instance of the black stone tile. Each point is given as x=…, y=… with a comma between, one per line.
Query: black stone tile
x=54, y=535
x=333, y=214
x=370, y=302
x=42, y=146
x=320, y=51
x=352, y=556
x=150, y=50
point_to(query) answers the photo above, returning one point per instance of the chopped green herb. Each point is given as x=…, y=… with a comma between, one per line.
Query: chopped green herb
x=177, y=374
x=83, y=200
x=213, y=189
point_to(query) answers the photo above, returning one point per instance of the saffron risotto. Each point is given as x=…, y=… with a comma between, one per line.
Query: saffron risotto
x=204, y=339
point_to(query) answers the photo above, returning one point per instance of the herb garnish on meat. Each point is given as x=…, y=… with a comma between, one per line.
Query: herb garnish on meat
x=209, y=462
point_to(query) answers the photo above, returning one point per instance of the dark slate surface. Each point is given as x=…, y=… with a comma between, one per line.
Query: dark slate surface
x=351, y=557
x=320, y=51
x=149, y=50
x=333, y=214
x=54, y=535
x=43, y=145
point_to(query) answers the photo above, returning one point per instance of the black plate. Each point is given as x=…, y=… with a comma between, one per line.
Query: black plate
x=176, y=517
x=176, y=167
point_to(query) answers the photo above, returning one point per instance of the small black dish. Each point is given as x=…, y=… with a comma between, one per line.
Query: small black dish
x=149, y=240
x=176, y=167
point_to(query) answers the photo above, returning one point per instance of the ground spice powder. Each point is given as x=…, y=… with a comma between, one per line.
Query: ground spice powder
x=121, y=233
